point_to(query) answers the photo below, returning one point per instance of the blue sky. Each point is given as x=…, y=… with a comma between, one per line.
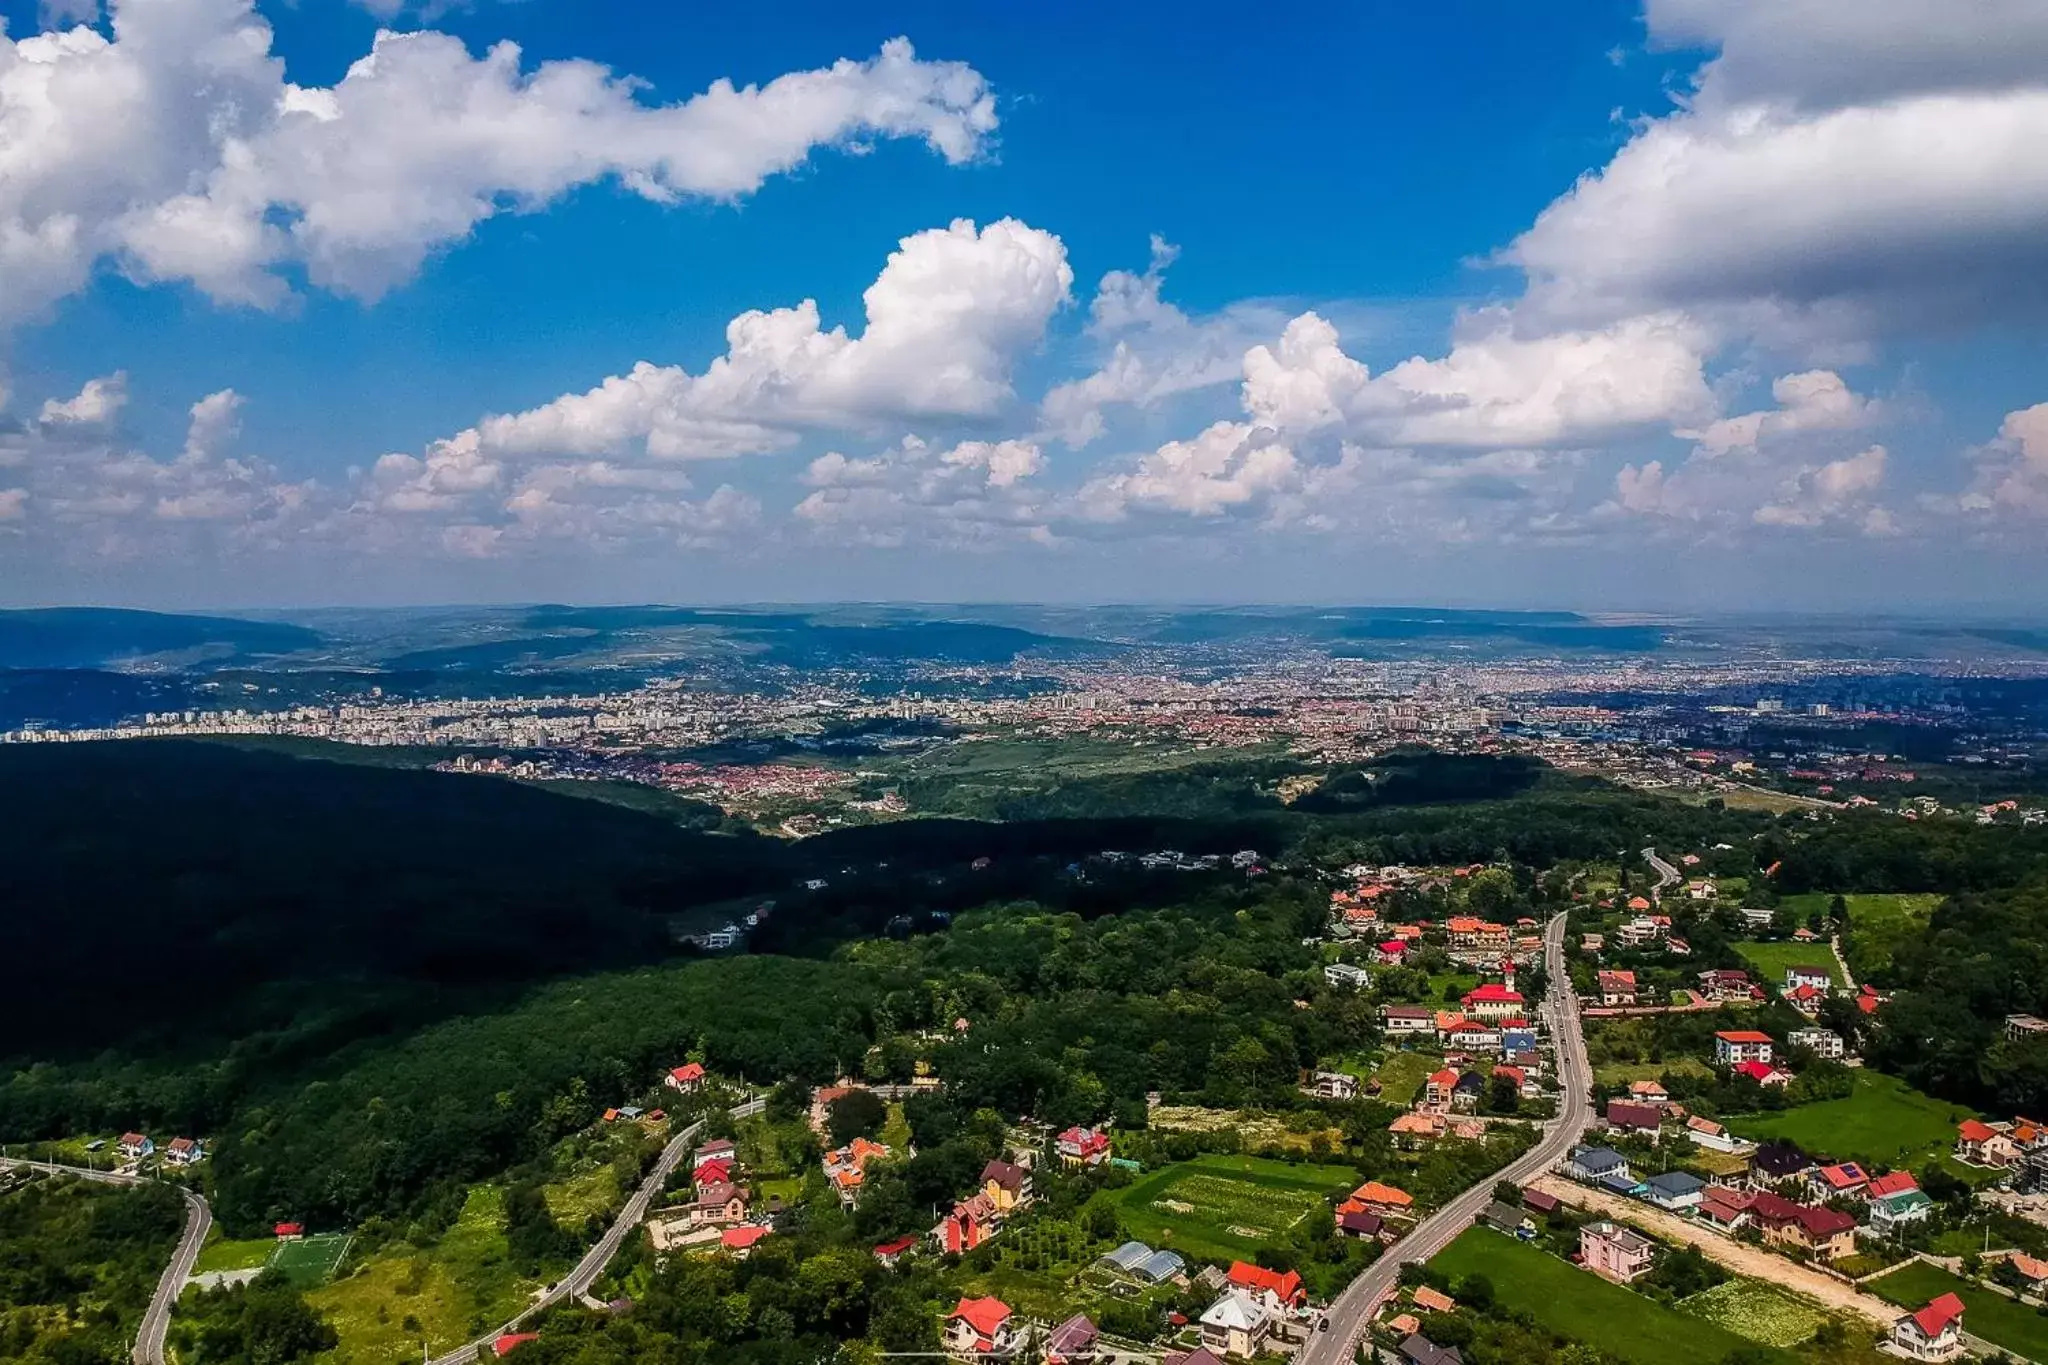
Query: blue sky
x=281, y=334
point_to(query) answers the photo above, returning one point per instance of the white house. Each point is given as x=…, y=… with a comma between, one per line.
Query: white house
x=1236, y=1325
x=1732, y=1046
x=185, y=1152
x=1933, y=1333
x=1398, y=1019
x=1819, y=978
x=1676, y=1191
x=1345, y=974
x=1821, y=1042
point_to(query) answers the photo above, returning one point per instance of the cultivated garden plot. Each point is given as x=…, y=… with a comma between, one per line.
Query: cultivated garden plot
x=1763, y=1313
x=1225, y=1207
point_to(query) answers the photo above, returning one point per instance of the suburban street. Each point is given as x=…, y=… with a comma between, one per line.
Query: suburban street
x=156, y=1320
x=578, y=1281
x=1353, y=1309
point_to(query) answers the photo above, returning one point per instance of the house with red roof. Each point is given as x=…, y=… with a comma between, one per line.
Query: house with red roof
x=1843, y=1180
x=1392, y=953
x=509, y=1342
x=889, y=1253
x=981, y=1329
x=739, y=1242
x=1617, y=988
x=685, y=1078
x=718, y=1149
x=712, y=1173
x=290, y=1232
x=1275, y=1290
x=971, y=1222
x=1763, y=1073
x=1438, y=1091
x=1734, y=1046
x=1933, y=1333
x=1082, y=1146
x=1493, y=1001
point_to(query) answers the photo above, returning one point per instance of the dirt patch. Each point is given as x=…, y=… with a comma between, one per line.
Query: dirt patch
x=1739, y=1257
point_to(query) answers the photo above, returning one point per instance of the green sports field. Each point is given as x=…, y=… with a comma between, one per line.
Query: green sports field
x=312, y=1262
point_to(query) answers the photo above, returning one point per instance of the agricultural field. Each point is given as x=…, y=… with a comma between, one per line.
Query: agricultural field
x=1760, y=1312
x=1771, y=959
x=1259, y=1130
x=1227, y=1207
x=1582, y=1306
x=311, y=1262
x=1883, y=1122
x=1992, y=1316
x=390, y=1305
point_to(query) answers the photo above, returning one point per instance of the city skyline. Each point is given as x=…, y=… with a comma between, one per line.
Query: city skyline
x=1678, y=306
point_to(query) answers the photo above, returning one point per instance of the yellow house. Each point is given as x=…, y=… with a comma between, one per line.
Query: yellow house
x=1006, y=1186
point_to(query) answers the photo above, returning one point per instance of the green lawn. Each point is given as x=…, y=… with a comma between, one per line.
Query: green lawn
x=1587, y=1309
x=1991, y=1316
x=386, y=1307
x=1621, y=1073
x=222, y=1253
x=1402, y=1074
x=1771, y=960
x=1227, y=1207
x=1878, y=924
x=1883, y=1122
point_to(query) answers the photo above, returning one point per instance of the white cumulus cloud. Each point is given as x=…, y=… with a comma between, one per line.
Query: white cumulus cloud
x=179, y=149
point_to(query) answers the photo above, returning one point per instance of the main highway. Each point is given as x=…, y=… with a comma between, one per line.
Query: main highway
x=156, y=1320
x=1353, y=1309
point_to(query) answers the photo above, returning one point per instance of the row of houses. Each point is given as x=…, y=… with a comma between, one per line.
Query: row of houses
x=179, y=1151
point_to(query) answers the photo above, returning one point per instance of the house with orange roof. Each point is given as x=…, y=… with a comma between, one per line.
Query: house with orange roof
x=1433, y=1300
x=739, y=1242
x=1382, y=1198
x=1413, y=1129
x=1438, y=1092
x=1276, y=1291
x=1979, y=1144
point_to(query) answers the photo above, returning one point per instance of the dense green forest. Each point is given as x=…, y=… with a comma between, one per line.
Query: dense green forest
x=78, y=1262
x=375, y=988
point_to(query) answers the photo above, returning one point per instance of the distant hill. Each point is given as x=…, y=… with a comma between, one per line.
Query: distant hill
x=91, y=637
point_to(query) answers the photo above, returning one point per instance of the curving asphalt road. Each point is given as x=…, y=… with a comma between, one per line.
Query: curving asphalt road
x=1667, y=875
x=156, y=1320
x=578, y=1281
x=1353, y=1309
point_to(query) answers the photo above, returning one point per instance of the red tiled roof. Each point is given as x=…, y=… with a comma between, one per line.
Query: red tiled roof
x=739, y=1239
x=1742, y=1035
x=1285, y=1287
x=511, y=1341
x=1891, y=1183
x=1937, y=1315
x=1974, y=1131
x=897, y=1247
x=985, y=1316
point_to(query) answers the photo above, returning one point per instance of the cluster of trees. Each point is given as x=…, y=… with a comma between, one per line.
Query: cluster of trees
x=1983, y=957
x=264, y=1322
x=78, y=1262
